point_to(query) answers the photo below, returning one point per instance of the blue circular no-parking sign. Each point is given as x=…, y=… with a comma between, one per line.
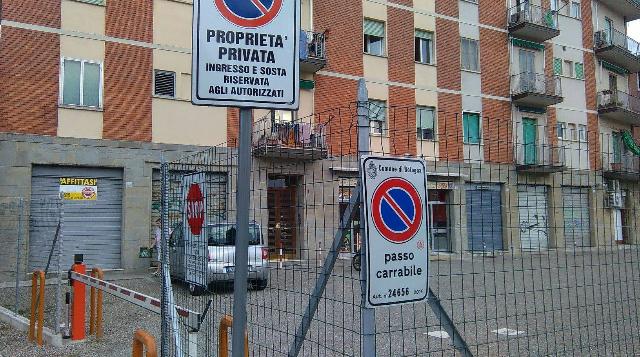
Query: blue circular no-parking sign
x=249, y=13
x=397, y=210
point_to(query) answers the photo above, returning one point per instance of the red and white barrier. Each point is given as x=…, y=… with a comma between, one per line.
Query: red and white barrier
x=147, y=302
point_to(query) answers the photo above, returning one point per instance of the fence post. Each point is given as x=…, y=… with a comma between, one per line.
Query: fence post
x=242, y=224
x=37, y=306
x=18, y=252
x=368, y=316
x=223, y=337
x=143, y=340
x=95, y=315
x=60, y=240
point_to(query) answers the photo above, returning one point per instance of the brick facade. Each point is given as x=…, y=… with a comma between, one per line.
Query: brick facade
x=494, y=61
x=130, y=19
x=127, y=92
x=450, y=126
x=498, y=131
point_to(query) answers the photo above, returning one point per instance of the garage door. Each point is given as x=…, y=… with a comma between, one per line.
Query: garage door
x=576, y=216
x=92, y=227
x=484, y=217
x=533, y=207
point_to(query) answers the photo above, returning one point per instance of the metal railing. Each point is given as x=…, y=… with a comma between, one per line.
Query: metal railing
x=624, y=162
x=312, y=45
x=537, y=154
x=528, y=82
x=296, y=134
x=534, y=14
x=616, y=38
x=618, y=99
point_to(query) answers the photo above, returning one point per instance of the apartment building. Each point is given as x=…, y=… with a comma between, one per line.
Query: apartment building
x=529, y=99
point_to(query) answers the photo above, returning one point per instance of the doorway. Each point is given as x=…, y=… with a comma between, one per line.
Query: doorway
x=529, y=140
x=282, y=203
x=440, y=225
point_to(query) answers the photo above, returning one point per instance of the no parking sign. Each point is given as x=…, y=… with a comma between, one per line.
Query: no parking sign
x=245, y=53
x=397, y=257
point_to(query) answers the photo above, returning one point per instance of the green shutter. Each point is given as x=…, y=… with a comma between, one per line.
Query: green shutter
x=94, y=2
x=579, y=71
x=71, y=82
x=471, y=128
x=613, y=68
x=374, y=28
x=424, y=34
x=527, y=44
x=557, y=66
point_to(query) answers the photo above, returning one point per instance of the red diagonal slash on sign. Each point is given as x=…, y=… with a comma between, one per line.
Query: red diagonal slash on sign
x=396, y=208
x=260, y=6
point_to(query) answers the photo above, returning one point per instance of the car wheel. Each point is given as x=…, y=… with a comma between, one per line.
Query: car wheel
x=196, y=290
x=260, y=284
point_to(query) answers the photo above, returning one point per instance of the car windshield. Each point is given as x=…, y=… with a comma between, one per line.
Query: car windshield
x=225, y=235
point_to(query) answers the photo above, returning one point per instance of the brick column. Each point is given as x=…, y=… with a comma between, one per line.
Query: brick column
x=593, y=126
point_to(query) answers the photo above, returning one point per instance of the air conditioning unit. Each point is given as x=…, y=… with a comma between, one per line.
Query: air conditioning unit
x=615, y=199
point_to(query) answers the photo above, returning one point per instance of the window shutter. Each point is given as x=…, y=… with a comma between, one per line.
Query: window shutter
x=424, y=34
x=165, y=83
x=374, y=28
x=579, y=71
x=557, y=66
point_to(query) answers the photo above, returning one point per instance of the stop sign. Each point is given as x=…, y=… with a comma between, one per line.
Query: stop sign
x=195, y=209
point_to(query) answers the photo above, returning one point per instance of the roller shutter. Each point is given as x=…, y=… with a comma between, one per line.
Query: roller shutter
x=576, y=216
x=533, y=207
x=484, y=217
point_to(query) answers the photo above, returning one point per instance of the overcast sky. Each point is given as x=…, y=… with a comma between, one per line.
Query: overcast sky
x=634, y=30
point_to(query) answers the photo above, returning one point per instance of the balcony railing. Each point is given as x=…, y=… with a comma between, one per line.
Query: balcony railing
x=618, y=48
x=533, y=22
x=289, y=140
x=618, y=99
x=536, y=89
x=540, y=158
x=625, y=166
x=313, y=54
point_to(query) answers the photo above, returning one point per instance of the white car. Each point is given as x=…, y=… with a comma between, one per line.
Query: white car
x=221, y=257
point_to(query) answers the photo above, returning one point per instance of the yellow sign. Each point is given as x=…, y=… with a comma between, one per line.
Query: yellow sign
x=78, y=189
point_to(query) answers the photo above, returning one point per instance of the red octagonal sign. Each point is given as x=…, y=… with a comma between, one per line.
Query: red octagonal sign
x=195, y=209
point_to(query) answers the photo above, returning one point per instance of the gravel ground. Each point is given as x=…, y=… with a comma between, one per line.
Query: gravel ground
x=555, y=303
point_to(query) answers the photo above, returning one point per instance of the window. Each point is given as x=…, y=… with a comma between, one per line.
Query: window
x=469, y=53
x=81, y=83
x=561, y=129
x=638, y=80
x=582, y=133
x=425, y=117
x=471, y=128
x=377, y=116
x=572, y=132
x=374, y=37
x=557, y=66
x=164, y=83
x=568, y=68
x=575, y=10
x=281, y=116
x=554, y=5
x=424, y=46
x=579, y=70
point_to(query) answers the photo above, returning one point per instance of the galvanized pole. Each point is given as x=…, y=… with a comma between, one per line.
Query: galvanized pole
x=18, y=251
x=368, y=316
x=242, y=234
x=164, y=217
x=58, y=316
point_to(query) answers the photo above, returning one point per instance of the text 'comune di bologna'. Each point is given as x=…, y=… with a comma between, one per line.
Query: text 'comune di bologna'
x=244, y=59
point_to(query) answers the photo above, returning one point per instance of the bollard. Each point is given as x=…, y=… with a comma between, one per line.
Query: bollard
x=223, y=337
x=143, y=340
x=37, y=303
x=95, y=314
x=79, y=300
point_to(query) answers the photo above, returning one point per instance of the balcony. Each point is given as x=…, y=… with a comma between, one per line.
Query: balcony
x=619, y=106
x=630, y=9
x=532, y=22
x=617, y=48
x=313, y=55
x=539, y=158
x=536, y=90
x=294, y=140
x=625, y=166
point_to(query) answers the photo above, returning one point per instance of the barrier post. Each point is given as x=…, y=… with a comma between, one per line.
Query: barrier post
x=95, y=315
x=37, y=306
x=143, y=340
x=79, y=301
x=223, y=337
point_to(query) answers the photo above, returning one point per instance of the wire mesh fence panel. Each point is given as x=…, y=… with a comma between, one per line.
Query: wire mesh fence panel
x=532, y=237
